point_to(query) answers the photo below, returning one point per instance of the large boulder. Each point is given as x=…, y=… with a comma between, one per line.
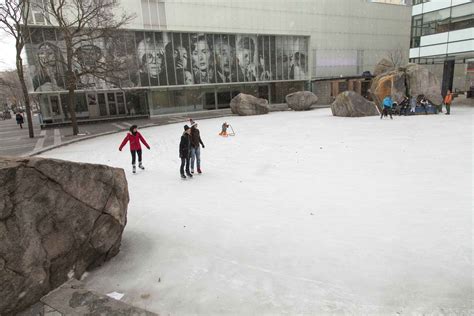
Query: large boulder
x=301, y=100
x=384, y=65
x=422, y=81
x=352, y=104
x=246, y=104
x=411, y=80
x=57, y=219
x=390, y=83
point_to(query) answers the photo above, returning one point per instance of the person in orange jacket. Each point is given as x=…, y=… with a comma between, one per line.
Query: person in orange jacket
x=447, y=102
x=134, y=137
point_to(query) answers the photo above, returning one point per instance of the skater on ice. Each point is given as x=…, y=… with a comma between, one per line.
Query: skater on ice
x=196, y=143
x=185, y=152
x=134, y=137
x=387, y=107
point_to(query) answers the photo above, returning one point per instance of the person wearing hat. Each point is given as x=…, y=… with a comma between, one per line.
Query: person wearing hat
x=185, y=152
x=196, y=143
x=134, y=137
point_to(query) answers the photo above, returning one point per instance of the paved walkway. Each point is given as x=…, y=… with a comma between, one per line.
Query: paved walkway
x=15, y=141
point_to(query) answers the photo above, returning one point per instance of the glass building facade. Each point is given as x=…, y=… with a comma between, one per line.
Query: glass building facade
x=163, y=72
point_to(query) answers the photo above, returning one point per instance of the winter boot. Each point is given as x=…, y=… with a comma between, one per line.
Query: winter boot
x=140, y=165
x=183, y=176
x=199, y=171
x=134, y=169
x=192, y=170
x=189, y=175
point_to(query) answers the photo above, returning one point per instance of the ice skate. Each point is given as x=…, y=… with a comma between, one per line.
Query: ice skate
x=140, y=165
x=134, y=169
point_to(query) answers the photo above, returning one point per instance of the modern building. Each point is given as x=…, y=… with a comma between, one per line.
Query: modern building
x=442, y=38
x=191, y=55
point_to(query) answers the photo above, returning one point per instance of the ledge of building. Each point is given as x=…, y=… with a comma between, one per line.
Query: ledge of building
x=72, y=298
x=95, y=120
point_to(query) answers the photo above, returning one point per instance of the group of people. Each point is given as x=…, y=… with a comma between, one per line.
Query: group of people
x=189, y=149
x=409, y=104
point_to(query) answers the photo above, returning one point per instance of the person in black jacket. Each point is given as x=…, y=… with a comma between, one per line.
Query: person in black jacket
x=185, y=151
x=19, y=119
x=196, y=143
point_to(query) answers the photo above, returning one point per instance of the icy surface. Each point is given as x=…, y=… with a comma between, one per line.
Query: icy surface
x=300, y=213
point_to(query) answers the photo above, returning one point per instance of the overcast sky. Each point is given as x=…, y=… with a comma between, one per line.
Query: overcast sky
x=7, y=52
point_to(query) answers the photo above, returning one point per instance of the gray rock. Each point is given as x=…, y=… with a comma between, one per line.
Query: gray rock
x=384, y=65
x=57, y=219
x=352, y=104
x=301, y=100
x=411, y=80
x=422, y=81
x=245, y=104
x=390, y=83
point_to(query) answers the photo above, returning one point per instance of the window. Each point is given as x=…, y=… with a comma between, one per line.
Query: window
x=436, y=22
x=462, y=17
x=416, y=30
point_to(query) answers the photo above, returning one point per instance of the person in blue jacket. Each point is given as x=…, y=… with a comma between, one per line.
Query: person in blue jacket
x=387, y=104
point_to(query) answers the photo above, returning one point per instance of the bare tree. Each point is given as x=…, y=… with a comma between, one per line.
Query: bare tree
x=10, y=87
x=396, y=57
x=78, y=23
x=14, y=21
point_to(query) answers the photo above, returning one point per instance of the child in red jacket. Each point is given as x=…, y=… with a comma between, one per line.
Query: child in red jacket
x=134, y=137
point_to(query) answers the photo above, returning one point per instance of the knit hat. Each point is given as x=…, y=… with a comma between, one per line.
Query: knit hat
x=186, y=127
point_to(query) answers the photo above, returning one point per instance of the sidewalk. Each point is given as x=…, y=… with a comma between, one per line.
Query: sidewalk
x=15, y=141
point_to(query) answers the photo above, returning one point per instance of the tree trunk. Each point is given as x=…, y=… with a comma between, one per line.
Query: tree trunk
x=71, y=87
x=72, y=111
x=26, y=97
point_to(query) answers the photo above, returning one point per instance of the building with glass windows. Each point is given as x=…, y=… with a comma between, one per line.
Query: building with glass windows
x=189, y=55
x=442, y=38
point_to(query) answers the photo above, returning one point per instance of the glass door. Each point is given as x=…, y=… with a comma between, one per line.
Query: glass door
x=102, y=104
x=112, y=104
x=121, y=103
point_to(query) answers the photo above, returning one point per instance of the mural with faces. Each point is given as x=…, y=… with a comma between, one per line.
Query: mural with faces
x=166, y=58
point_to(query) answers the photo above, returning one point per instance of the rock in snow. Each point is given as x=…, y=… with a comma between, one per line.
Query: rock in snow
x=57, y=219
x=352, y=104
x=301, y=101
x=411, y=80
x=245, y=104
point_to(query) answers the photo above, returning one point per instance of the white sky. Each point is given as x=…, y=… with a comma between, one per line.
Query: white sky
x=7, y=52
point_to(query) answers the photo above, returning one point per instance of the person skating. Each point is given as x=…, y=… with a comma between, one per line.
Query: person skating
x=20, y=120
x=387, y=107
x=135, y=138
x=448, y=99
x=185, y=152
x=196, y=143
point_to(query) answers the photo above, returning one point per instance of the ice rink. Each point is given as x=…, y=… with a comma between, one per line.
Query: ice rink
x=299, y=213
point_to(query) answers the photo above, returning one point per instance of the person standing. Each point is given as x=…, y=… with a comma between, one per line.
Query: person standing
x=135, y=138
x=20, y=120
x=185, y=152
x=387, y=107
x=447, y=101
x=196, y=143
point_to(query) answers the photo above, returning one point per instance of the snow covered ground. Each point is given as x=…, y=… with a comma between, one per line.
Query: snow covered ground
x=300, y=213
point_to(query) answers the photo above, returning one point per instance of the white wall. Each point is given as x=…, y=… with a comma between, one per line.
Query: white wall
x=347, y=36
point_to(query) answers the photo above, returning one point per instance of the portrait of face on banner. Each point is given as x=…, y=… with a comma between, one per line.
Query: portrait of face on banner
x=147, y=59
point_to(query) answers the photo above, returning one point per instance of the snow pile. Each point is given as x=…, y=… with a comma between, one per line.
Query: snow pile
x=300, y=213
